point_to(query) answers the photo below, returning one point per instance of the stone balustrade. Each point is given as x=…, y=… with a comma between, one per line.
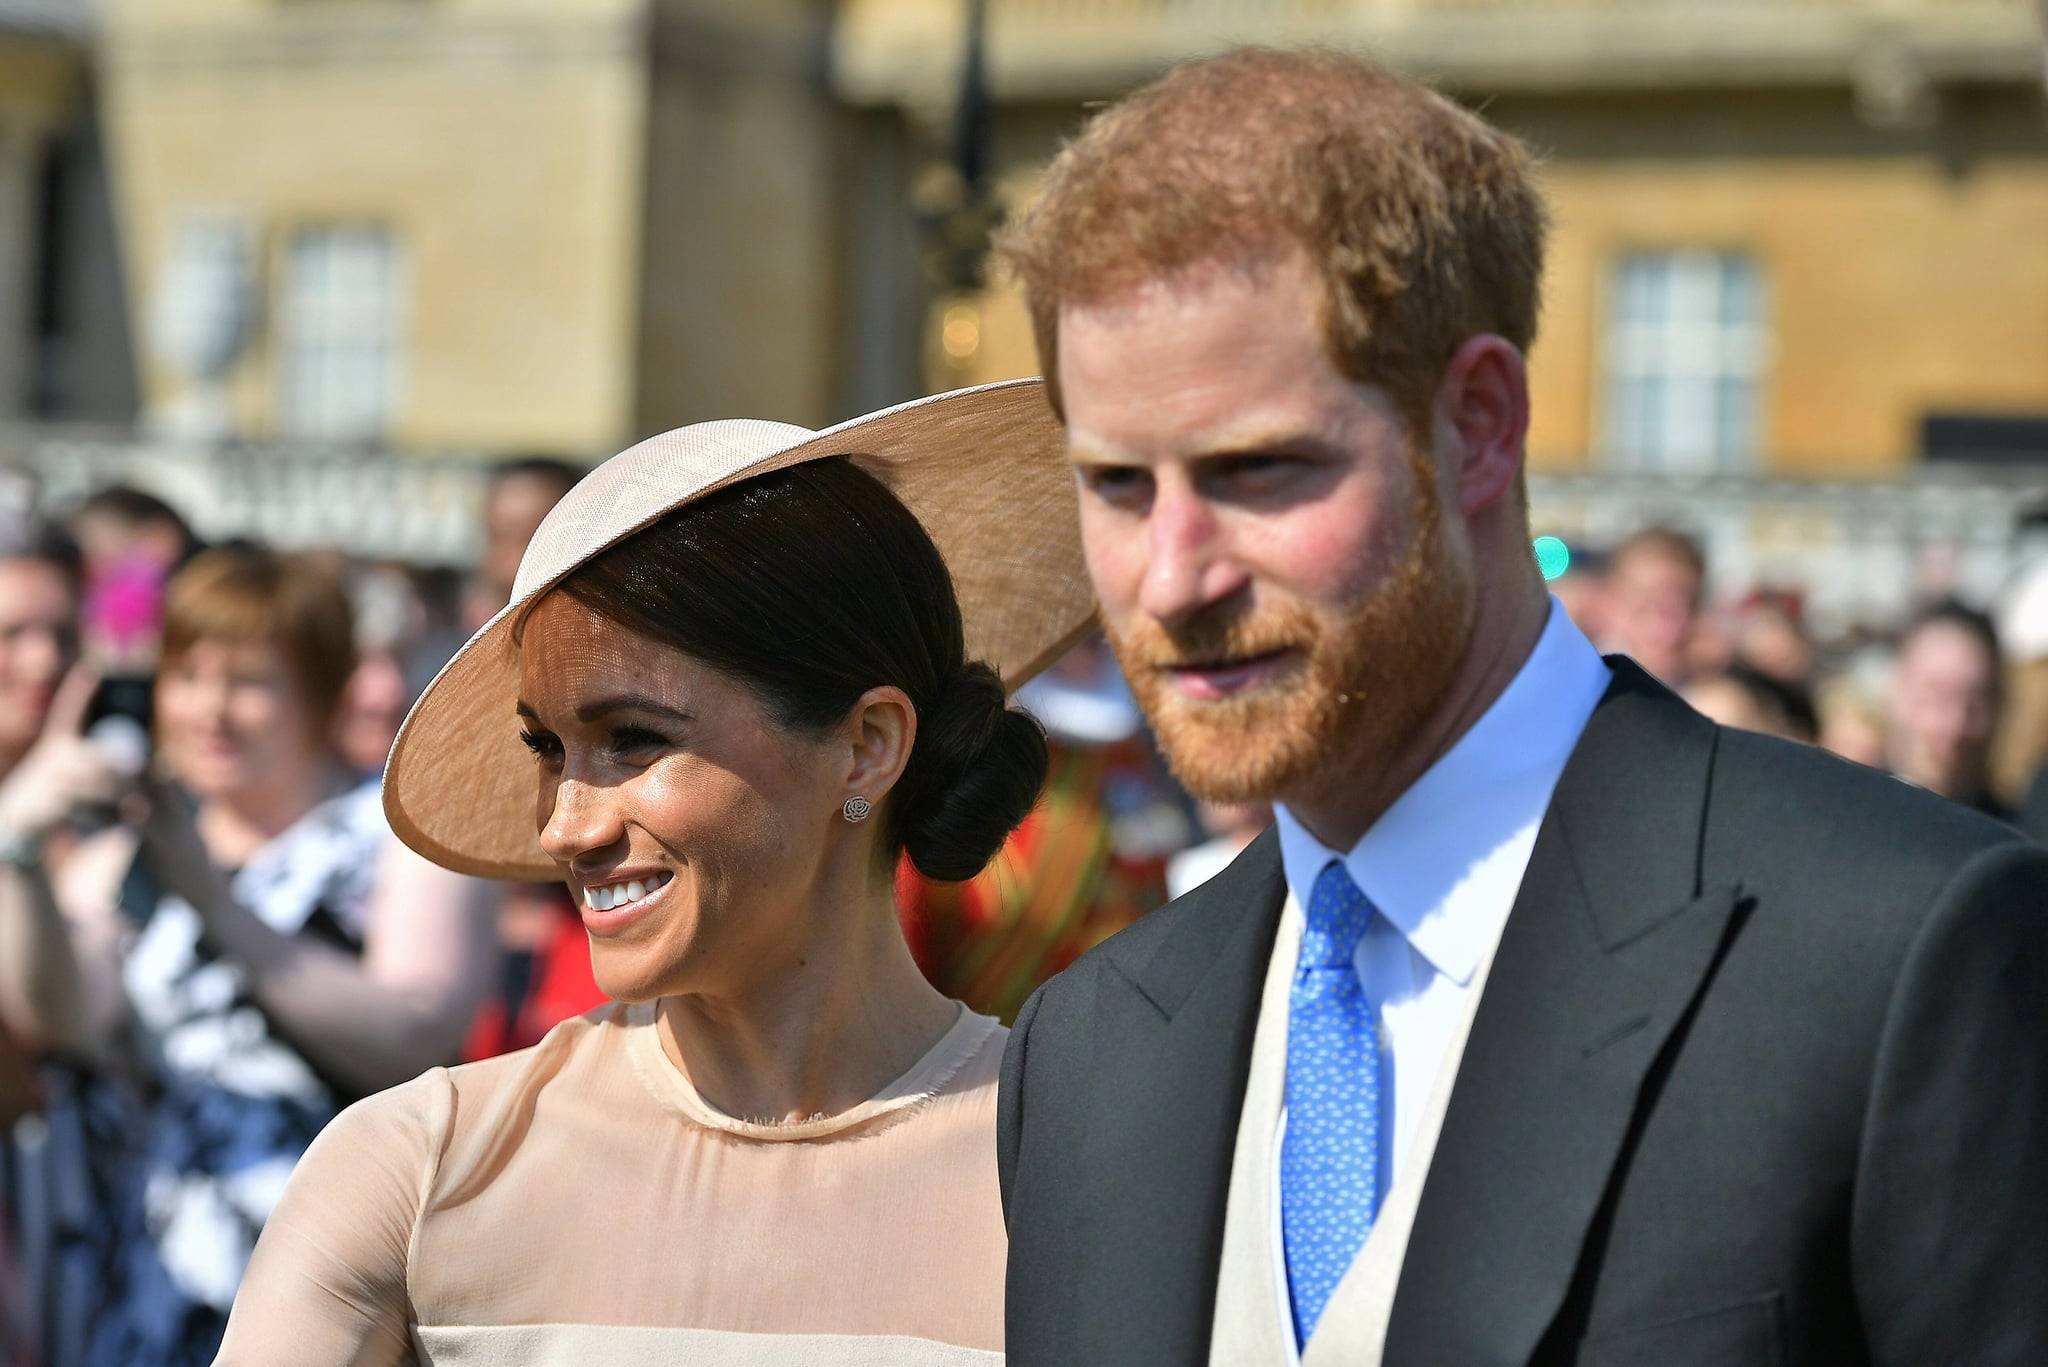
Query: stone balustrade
x=1864, y=552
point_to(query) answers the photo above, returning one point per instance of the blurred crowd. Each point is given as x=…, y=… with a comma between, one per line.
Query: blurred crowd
x=211, y=941
x=1953, y=699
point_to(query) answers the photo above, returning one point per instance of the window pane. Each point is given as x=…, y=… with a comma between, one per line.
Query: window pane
x=1684, y=357
x=342, y=348
x=1738, y=291
x=1735, y=420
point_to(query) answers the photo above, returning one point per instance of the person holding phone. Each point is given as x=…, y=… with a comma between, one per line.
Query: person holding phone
x=244, y=952
x=39, y=588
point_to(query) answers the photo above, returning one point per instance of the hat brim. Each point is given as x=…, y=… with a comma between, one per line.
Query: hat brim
x=984, y=470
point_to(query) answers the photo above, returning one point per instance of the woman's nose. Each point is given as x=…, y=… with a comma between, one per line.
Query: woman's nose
x=581, y=821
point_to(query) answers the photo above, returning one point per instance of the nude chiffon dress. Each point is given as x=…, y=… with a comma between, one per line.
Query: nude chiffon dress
x=579, y=1202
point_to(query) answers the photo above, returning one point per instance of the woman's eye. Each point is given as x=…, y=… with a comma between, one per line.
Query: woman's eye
x=543, y=745
x=636, y=741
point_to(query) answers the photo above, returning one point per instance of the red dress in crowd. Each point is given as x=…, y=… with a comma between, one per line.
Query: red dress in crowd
x=543, y=985
x=1088, y=861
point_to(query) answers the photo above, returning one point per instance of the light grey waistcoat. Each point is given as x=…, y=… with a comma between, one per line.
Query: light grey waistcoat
x=1251, y=1324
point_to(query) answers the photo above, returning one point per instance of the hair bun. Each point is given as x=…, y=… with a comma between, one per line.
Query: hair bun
x=974, y=774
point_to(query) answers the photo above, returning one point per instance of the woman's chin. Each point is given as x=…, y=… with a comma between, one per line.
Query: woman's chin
x=208, y=778
x=625, y=975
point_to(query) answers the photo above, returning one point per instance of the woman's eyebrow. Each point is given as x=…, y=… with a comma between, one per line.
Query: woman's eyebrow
x=620, y=702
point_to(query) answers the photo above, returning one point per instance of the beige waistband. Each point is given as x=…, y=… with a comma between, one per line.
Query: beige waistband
x=577, y=1345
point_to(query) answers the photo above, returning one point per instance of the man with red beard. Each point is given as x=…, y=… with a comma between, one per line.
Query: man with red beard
x=1551, y=1023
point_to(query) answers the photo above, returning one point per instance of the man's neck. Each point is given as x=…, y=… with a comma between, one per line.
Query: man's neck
x=1359, y=790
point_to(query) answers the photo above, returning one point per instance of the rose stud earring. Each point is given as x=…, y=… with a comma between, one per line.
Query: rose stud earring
x=856, y=808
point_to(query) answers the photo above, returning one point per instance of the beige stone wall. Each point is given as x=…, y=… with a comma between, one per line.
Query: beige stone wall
x=1894, y=286
x=501, y=143
x=736, y=302
x=1886, y=160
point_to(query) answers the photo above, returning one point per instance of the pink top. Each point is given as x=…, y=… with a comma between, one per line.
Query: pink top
x=579, y=1201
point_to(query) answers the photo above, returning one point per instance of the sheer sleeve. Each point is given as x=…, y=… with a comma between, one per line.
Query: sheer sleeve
x=327, y=1286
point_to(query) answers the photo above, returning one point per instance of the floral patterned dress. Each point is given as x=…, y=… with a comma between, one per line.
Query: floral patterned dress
x=228, y=1102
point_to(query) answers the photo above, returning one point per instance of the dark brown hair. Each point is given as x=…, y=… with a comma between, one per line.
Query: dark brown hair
x=1422, y=220
x=809, y=586
x=34, y=538
x=133, y=509
x=1954, y=612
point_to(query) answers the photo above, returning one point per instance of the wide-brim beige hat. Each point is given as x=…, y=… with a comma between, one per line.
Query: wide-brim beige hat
x=983, y=469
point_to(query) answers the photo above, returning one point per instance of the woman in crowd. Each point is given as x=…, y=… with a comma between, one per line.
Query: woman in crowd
x=733, y=685
x=39, y=588
x=246, y=952
x=39, y=585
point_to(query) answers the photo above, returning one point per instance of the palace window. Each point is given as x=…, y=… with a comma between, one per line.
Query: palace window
x=1686, y=347
x=341, y=333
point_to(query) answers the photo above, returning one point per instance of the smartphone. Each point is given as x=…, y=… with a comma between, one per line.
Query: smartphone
x=123, y=695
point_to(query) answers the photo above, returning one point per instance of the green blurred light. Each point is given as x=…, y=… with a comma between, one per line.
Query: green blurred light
x=1553, y=557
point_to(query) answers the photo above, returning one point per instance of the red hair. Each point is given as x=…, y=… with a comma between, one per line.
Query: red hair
x=1422, y=221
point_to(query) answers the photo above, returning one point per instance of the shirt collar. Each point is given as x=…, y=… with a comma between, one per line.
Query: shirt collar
x=1431, y=862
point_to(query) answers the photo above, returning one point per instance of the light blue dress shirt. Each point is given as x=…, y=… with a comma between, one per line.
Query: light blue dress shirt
x=1442, y=866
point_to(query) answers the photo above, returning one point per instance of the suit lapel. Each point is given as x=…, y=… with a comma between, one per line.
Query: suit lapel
x=1176, y=1015
x=1609, y=943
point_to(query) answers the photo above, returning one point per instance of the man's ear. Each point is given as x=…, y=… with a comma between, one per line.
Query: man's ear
x=880, y=732
x=1483, y=405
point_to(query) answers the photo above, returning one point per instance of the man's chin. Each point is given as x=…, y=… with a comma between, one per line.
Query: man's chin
x=1237, y=751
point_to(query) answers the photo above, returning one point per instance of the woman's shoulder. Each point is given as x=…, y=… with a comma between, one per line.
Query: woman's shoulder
x=456, y=1098
x=358, y=1185
x=416, y=1137
x=407, y=1119
x=981, y=1059
x=582, y=1066
x=572, y=1046
x=964, y=1069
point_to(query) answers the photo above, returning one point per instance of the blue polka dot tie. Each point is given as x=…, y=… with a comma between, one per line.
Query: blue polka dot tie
x=1329, y=1159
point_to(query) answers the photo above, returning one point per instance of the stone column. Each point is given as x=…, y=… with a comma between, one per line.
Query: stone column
x=18, y=224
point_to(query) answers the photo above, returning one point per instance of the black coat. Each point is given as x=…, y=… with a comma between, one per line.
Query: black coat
x=1759, y=1076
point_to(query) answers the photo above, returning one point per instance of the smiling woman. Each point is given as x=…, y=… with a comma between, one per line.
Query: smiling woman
x=738, y=681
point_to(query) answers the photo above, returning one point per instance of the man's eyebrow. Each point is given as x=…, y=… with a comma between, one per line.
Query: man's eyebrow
x=1257, y=441
x=1088, y=455
x=618, y=702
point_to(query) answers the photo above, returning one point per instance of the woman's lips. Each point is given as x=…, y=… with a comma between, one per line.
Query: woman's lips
x=1215, y=682
x=616, y=919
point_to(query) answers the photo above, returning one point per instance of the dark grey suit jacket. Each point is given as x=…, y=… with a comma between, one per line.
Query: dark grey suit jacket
x=1760, y=1076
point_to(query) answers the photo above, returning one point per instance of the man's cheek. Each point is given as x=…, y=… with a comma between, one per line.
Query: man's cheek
x=1113, y=565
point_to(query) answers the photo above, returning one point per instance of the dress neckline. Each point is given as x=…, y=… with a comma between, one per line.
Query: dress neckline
x=922, y=1081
